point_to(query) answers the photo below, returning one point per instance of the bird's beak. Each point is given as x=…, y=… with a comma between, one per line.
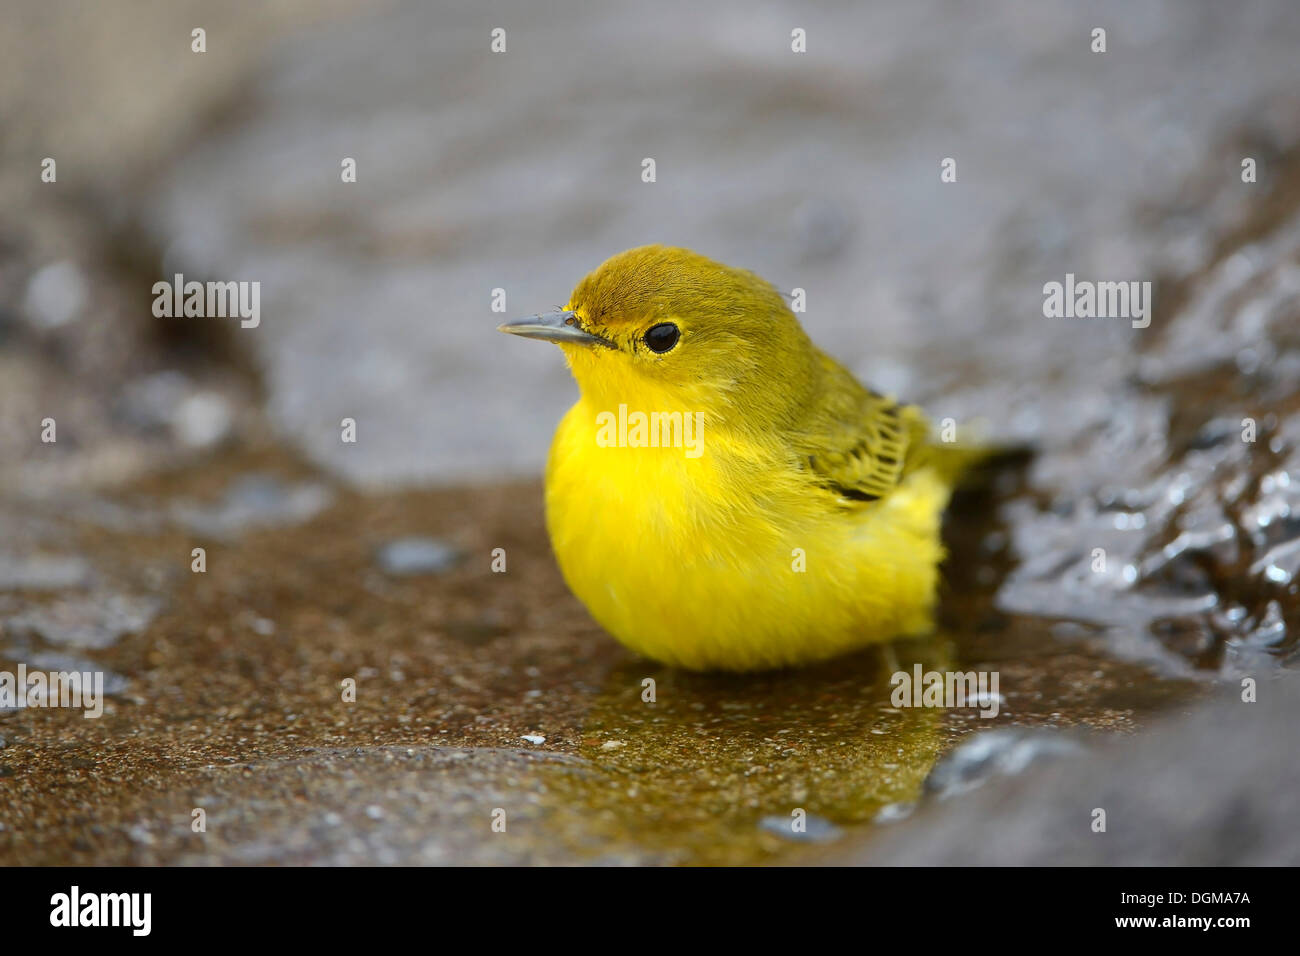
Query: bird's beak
x=559, y=327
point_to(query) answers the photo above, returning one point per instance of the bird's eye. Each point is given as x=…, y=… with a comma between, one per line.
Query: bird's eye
x=662, y=337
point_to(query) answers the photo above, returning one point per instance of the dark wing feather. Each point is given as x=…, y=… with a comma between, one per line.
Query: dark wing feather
x=859, y=444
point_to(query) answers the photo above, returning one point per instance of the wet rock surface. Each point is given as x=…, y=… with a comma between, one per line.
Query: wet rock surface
x=819, y=171
x=351, y=678
x=1215, y=789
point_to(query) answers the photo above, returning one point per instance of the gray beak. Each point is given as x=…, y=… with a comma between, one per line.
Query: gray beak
x=559, y=327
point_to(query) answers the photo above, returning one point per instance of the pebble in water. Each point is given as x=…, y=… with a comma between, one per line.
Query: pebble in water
x=55, y=295
x=169, y=400
x=816, y=829
x=92, y=622
x=995, y=753
x=114, y=683
x=415, y=555
x=56, y=661
x=254, y=501
x=39, y=572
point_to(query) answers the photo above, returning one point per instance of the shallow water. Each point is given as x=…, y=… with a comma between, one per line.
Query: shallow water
x=232, y=701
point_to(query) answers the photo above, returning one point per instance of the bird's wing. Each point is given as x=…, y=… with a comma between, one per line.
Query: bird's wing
x=859, y=444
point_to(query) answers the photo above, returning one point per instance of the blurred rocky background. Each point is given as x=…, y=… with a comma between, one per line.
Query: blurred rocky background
x=522, y=171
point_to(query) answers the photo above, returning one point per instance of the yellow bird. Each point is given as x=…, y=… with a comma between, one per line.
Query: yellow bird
x=724, y=495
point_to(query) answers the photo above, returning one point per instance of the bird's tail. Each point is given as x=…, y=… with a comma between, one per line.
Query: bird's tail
x=955, y=463
x=968, y=460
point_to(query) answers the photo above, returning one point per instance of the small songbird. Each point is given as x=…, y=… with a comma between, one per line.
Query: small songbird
x=724, y=495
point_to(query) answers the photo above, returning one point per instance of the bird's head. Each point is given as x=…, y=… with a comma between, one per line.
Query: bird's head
x=662, y=328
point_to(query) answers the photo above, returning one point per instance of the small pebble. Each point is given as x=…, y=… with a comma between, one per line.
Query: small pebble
x=202, y=420
x=55, y=295
x=92, y=622
x=254, y=501
x=995, y=753
x=893, y=812
x=262, y=626
x=42, y=572
x=815, y=829
x=415, y=555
